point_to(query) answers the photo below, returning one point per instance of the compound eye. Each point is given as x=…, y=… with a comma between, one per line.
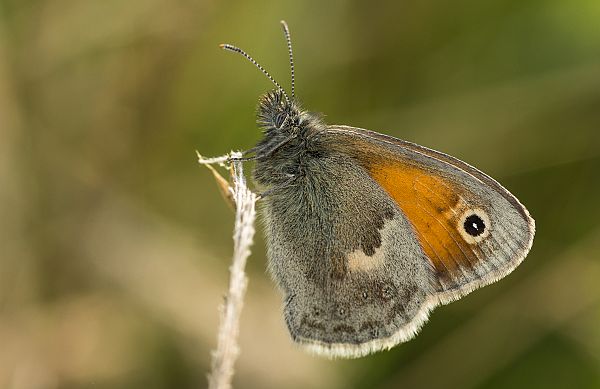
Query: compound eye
x=280, y=119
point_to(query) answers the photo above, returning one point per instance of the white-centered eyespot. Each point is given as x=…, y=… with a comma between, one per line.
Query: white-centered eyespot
x=474, y=225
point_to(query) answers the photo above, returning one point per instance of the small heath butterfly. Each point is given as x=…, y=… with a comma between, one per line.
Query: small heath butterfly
x=367, y=233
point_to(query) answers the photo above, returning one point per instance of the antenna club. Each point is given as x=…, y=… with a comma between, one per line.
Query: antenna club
x=286, y=32
x=227, y=46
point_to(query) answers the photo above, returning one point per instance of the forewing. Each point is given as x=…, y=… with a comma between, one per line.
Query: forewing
x=442, y=197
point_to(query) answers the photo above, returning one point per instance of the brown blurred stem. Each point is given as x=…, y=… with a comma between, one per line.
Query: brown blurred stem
x=223, y=358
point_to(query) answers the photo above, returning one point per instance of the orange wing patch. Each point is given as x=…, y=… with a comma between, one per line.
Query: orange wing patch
x=433, y=208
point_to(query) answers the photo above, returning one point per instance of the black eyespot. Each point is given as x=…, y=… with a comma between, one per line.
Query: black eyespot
x=386, y=292
x=474, y=225
x=340, y=312
x=316, y=311
x=372, y=328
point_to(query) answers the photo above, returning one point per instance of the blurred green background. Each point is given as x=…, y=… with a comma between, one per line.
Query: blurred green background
x=115, y=244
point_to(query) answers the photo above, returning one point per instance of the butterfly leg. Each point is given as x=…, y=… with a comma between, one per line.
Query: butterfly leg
x=260, y=153
x=245, y=156
x=268, y=151
x=242, y=159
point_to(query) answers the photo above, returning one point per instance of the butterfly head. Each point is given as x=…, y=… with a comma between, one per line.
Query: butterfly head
x=278, y=115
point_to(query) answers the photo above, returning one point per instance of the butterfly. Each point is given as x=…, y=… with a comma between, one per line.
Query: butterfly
x=366, y=233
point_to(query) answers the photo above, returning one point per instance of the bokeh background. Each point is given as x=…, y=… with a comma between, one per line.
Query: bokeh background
x=115, y=244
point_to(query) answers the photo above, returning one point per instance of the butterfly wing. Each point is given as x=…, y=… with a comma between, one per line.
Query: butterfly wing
x=472, y=230
x=369, y=240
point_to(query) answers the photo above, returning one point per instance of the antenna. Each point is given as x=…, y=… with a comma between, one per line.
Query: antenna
x=229, y=47
x=288, y=39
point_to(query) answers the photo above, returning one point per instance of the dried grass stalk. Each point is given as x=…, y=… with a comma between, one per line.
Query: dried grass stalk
x=223, y=358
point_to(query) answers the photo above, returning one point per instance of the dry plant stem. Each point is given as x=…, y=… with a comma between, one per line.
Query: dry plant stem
x=245, y=213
